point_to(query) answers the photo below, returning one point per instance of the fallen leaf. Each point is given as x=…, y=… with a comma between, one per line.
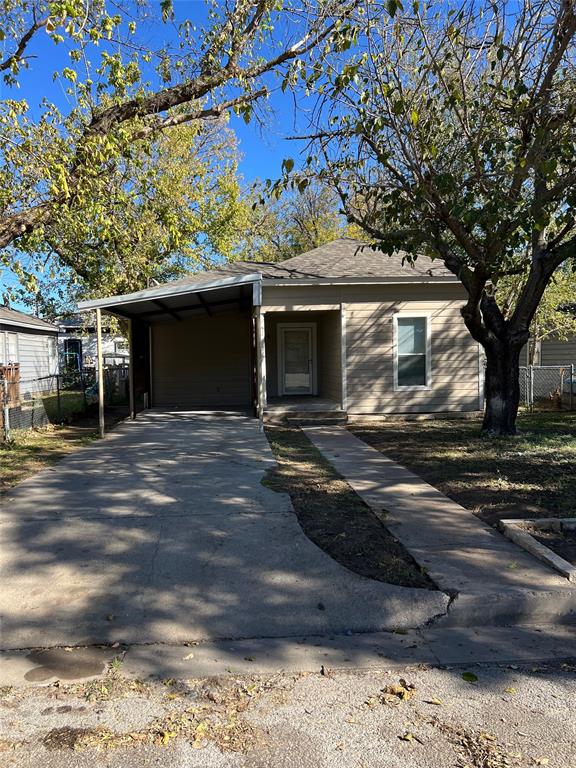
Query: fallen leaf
x=469, y=677
x=434, y=700
x=510, y=689
x=407, y=736
x=188, y=656
x=541, y=761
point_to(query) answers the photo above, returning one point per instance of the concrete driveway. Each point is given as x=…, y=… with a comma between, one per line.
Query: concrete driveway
x=163, y=532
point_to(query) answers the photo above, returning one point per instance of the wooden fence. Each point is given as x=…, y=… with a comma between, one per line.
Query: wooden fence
x=9, y=388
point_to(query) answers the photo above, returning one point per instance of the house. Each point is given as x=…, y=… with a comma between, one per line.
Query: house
x=340, y=328
x=551, y=351
x=77, y=344
x=31, y=343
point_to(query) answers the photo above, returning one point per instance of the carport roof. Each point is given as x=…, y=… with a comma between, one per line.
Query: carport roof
x=345, y=260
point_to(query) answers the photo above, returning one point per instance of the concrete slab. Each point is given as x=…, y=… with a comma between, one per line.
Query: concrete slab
x=451, y=647
x=163, y=532
x=492, y=580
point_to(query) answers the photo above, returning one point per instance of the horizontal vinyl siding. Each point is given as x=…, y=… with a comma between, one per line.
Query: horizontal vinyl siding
x=202, y=362
x=369, y=344
x=37, y=355
x=558, y=352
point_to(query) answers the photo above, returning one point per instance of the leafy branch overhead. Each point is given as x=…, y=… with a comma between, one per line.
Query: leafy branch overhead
x=452, y=132
x=123, y=93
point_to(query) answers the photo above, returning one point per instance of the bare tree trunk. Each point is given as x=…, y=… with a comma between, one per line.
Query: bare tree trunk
x=502, y=387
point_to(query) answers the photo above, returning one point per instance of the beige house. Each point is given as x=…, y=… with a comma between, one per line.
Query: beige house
x=341, y=328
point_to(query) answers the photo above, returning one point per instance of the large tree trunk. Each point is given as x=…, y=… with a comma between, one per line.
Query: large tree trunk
x=502, y=387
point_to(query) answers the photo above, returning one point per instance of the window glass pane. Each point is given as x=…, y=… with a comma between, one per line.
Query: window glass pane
x=411, y=335
x=12, y=347
x=412, y=371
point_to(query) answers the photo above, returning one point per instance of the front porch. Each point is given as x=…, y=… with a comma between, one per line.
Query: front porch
x=302, y=367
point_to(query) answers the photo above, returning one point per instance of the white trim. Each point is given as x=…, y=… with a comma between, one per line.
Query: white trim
x=343, y=360
x=4, y=341
x=168, y=290
x=418, y=387
x=18, y=324
x=260, y=331
x=399, y=280
x=131, y=392
x=257, y=293
x=331, y=307
x=150, y=355
x=312, y=327
x=100, y=368
x=481, y=375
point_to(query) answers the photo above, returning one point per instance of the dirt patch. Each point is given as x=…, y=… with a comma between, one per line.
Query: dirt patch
x=561, y=542
x=531, y=475
x=334, y=517
x=216, y=716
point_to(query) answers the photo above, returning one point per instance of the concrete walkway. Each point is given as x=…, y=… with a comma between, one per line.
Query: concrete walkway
x=491, y=580
x=163, y=532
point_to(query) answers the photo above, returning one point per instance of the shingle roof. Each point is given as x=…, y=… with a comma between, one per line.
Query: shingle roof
x=14, y=317
x=342, y=259
x=339, y=259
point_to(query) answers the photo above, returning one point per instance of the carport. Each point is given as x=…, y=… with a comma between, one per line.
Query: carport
x=195, y=344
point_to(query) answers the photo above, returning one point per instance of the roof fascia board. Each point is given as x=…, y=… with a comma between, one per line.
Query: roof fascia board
x=19, y=324
x=361, y=281
x=167, y=291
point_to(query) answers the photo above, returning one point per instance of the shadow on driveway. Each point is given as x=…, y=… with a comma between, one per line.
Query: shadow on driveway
x=163, y=532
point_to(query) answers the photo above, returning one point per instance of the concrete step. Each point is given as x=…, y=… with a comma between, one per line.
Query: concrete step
x=511, y=607
x=330, y=418
x=306, y=417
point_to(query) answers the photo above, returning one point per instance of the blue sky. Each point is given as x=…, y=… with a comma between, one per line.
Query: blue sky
x=262, y=148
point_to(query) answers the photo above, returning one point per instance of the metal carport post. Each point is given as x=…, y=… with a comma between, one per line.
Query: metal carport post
x=100, y=369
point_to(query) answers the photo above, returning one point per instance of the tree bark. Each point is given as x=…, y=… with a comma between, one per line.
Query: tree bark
x=502, y=387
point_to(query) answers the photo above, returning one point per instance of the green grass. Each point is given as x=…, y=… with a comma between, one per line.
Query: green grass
x=71, y=404
x=333, y=516
x=531, y=475
x=33, y=450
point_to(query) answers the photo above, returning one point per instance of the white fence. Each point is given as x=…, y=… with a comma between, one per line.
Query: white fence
x=548, y=385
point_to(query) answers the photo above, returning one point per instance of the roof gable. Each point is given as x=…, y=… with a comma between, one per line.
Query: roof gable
x=16, y=318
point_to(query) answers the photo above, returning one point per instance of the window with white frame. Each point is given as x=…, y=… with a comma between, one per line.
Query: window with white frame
x=8, y=348
x=412, y=352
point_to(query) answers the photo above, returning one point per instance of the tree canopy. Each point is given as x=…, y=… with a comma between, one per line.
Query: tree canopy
x=293, y=223
x=170, y=208
x=451, y=131
x=121, y=93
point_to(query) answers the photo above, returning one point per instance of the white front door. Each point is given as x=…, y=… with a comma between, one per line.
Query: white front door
x=297, y=358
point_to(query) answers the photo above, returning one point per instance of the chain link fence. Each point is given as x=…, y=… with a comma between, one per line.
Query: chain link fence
x=548, y=386
x=59, y=399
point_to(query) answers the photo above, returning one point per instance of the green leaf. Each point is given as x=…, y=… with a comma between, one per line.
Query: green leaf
x=469, y=677
x=414, y=118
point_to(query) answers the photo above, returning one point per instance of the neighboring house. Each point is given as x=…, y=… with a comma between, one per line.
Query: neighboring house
x=31, y=343
x=341, y=327
x=77, y=344
x=551, y=351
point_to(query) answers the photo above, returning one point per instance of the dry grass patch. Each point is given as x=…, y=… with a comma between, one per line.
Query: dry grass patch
x=334, y=517
x=531, y=475
x=35, y=449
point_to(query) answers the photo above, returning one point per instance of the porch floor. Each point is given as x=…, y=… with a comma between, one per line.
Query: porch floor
x=300, y=403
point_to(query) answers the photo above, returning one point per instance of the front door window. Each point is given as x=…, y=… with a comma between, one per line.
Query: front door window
x=297, y=356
